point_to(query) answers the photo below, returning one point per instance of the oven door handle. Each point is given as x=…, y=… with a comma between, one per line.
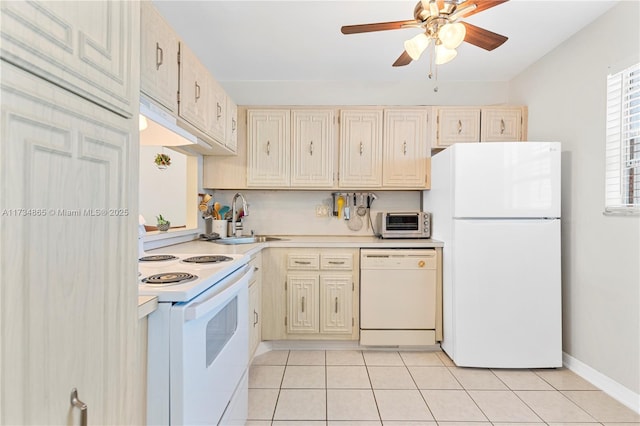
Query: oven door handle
x=200, y=308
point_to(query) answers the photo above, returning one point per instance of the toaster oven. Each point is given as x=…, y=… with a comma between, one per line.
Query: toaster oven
x=404, y=224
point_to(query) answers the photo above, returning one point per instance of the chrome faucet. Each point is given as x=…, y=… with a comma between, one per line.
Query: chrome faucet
x=245, y=209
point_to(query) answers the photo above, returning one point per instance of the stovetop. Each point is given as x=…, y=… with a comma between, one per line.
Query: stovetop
x=181, y=277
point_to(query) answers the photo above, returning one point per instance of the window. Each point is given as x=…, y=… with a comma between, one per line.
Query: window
x=622, y=189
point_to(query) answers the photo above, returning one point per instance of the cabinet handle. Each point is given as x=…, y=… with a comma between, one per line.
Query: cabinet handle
x=333, y=262
x=197, y=91
x=459, y=126
x=404, y=148
x=219, y=109
x=256, y=269
x=300, y=262
x=501, y=126
x=311, y=148
x=268, y=148
x=336, y=305
x=159, y=56
x=361, y=148
x=255, y=317
x=303, y=304
x=233, y=124
x=76, y=403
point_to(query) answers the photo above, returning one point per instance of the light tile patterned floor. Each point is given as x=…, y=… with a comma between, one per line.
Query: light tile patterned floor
x=390, y=388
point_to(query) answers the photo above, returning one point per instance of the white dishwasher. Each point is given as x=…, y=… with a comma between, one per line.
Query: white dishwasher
x=397, y=297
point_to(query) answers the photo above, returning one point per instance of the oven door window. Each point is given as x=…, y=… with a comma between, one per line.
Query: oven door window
x=220, y=329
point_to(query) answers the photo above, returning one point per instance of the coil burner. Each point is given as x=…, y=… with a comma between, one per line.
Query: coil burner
x=157, y=258
x=207, y=259
x=169, y=278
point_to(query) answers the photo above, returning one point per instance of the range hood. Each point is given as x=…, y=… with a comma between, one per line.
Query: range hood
x=163, y=129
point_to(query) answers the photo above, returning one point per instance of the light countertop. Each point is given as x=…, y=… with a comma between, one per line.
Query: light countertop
x=146, y=305
x=289, y=241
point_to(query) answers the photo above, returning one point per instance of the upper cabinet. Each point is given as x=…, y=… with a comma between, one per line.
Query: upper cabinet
x=480, y=124
x=268, y=137
x=457, y=124
x=503, y=124
x=290, y=148
x=312, y=148
x=360, y=149
x=173, y=77
x=231, y=132
x=158, y=59
x=407, y=150
x=196, y=103
x=88, y=49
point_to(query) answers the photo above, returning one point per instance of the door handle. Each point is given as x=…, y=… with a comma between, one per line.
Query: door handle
x=336, y=305
x=76, y=403
x=303, y=304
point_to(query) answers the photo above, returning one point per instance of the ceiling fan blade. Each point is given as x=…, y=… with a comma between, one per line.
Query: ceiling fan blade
x=480, y=5
x=378, y=26
x=402, y=60
x=483, y=38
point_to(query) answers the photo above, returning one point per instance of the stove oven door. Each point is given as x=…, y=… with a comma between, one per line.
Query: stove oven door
x=209, y=350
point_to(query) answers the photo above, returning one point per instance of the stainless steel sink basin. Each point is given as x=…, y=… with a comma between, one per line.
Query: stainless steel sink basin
x=247, y=239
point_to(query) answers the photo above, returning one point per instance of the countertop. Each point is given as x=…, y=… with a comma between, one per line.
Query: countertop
x=289, y=241
x=146, y=305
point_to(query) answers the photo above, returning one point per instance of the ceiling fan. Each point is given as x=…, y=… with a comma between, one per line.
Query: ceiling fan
x=438, y=19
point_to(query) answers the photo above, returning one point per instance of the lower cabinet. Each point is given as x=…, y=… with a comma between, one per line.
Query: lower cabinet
x=255, y=304
x=311, y=294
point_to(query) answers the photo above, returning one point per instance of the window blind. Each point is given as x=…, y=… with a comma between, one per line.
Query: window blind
x=622, y=178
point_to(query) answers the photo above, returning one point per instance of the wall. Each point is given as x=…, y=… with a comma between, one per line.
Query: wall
x=566, y=95
x=294, y=212
x=366, y=92
x=163, y=191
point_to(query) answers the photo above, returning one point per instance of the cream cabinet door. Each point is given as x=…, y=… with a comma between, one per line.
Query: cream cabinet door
x=196, y=104
x=68, y=299
x=406, y=149
x=501, y=124
x=360, y=149
x=336, y=303
x=231, y=118
x=302, y=303
x=218, y=119
x=90, y=48
x=457, y=124
x=268, y=137
x=158, y=58
x=313, y=148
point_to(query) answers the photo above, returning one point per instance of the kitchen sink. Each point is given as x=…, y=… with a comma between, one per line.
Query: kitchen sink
x=247, y=240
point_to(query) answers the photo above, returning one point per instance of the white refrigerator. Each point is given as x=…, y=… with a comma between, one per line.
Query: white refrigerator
x=496, y=207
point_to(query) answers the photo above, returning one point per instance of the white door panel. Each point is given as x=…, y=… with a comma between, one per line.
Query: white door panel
x=507, y=293
x=507, y=179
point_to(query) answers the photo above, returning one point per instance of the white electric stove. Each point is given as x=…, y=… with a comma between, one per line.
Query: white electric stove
x=198, y=337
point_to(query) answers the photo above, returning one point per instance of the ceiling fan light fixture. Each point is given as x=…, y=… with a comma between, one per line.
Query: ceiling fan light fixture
x=416, y=45
x=452, y=35
x=444, y=55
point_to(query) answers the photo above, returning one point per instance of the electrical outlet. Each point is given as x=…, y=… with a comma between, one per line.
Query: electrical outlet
x=322, y=210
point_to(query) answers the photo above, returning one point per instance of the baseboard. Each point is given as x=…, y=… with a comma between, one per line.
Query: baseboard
x=614, y=389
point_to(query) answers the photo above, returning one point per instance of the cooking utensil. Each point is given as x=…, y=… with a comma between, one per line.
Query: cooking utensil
x=362, y=210
x=355, y=221
x=368, y=211
x=347, y=210
x=340, y=203
x=216, y=210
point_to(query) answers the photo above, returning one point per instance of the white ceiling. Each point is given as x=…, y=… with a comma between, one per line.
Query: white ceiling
x=301, y=40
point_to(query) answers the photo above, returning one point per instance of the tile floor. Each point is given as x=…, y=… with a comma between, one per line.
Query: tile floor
x=363, y=388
